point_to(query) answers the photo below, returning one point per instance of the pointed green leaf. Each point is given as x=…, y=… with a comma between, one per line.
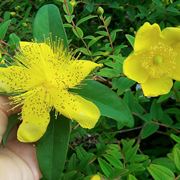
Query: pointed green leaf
x=131, y=177
x=48, y=21
x=85, y=19
x=107, y=21
x=130, y=39
x=148, y=130
x=69, y=18
x=175, y=138
x=13, y=40
x=105, y=167
x=52, y=148
x=176, y=156
x=159, y=172
x=3, y=28
x=78, y=32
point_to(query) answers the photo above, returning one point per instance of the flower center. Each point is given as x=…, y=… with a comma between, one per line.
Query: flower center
x=159, y=60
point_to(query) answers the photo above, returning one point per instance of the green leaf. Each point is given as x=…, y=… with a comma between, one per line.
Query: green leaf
x=149, y=129
x=83, y=50
x=69, y=18
x=159, y=172
x=133, y=103
x=158, y=3
x=52, y=148
x=173, y=10
x=48, y=21
x=85, y=19
x=122, y=84
x=72, y=162
x=113, y=34
x=68, y=9
x=107, y=21
x=164, y=97
x=130, y=39
x=114, y=161
x=109, y=72
x=109, y=104
x=118, y=173
x=13, y=40
x=136, y=167
x=131, y=177
x=130, y=153
x=94, y=40
x=176, y=156
x=66, y=25
x=164, y=161
x=70, y=175
x=105, y=167
x=3, y=28
x=175, y=138
x=156, y=111
x=102, y=33
x=78, y=32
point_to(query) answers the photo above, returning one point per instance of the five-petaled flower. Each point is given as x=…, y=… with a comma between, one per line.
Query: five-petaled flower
x=41, y=76
x=155, y=60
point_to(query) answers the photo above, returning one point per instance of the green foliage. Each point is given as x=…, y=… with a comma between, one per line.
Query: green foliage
x=137, y=137
x=48, y=22
x=3, y=28
x=52, y=148
x=159, y=172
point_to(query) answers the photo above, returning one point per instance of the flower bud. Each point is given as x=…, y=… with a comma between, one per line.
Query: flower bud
x=13, y=13
x=100, y=10
x=24, y=24
x=17, y=8
x=121, y=8
x=131, y=29
x=73, y=3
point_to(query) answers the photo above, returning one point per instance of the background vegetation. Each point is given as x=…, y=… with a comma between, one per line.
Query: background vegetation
x=146, y=143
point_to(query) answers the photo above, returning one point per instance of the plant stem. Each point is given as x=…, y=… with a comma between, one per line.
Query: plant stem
x=164, y=125
x=107, y=30
x=74, y=26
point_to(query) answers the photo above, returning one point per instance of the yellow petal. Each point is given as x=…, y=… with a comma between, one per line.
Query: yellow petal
x=172, y=35
x=176, y=71
x=148, y=35
x=76, y=108
x=155, y=87
x=35, y=116
x=31, y=54
x=37, y=54
x=77, y=70
x=133, y=69
x=15, y=79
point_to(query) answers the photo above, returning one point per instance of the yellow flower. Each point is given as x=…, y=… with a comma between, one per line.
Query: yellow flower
x=155, y=60
x=42, y=75
x=96, y=177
